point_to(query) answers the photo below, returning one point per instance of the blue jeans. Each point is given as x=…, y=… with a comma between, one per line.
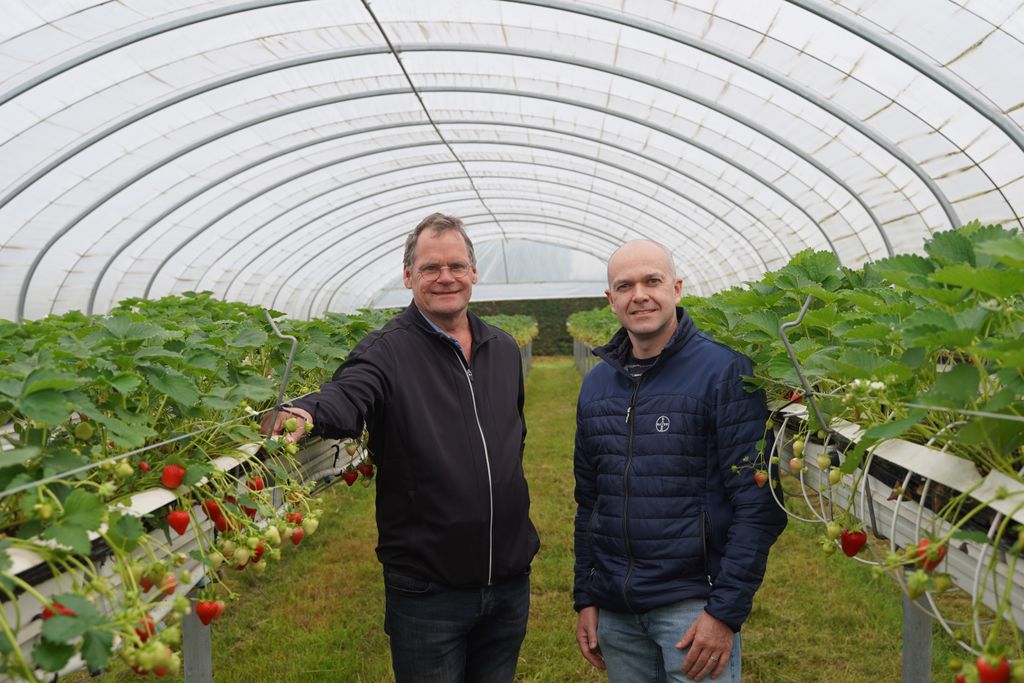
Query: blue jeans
x=441, y=634
x=642, y=647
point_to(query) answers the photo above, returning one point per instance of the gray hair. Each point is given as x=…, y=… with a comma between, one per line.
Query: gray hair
x=437, y=223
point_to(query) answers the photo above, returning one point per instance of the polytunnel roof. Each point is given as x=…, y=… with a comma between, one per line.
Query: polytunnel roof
x=277, y=151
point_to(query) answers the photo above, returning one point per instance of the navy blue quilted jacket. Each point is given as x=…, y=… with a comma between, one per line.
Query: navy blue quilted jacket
x=661, y=516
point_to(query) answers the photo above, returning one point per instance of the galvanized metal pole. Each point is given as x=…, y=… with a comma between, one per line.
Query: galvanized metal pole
x=196, y=649
x=917, y=642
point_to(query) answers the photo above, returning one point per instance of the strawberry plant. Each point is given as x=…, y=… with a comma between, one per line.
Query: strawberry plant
x=178, y=380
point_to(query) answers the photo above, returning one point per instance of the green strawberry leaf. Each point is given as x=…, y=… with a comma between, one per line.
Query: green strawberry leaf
x=84, y=510
x=62, y=629
x=73, y=537
x=96, y=649
x=51, y=656
x=47, y=407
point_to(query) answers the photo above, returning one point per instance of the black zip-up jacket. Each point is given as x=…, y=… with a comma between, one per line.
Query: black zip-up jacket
x=447, y=438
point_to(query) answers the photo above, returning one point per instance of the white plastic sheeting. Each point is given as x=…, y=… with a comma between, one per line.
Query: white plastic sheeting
x=277, y=151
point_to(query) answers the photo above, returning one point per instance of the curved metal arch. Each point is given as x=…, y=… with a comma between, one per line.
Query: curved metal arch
x=978, y=104
x=467, y=219
x=349, y=235
x=348, y=97
x=78, y=60
x=767, y=74
x=784, y=250
x=322, y=215
x=237, y=205
x=995, y=117
x=279, y=153
x=545, y=202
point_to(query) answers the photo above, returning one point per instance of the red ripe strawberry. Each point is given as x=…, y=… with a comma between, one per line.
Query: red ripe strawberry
x=350, y=476
x=146, y=583
x=211, y=508
x=929, y=555
x=760, y=478
x=207, y=611
x=57, y=609
x=255, y=484
x=160, y=672
x=220, y=608
x=172, y=476
x=258, y=552
x=178, y=520
x=169, y=583
x=366, y=469
x=144, y=466
x=250, y=511
x=294, y=517
x=852, y=541
x=992, y=669
x=145, y=628
x=297, y=535
x=796, y=397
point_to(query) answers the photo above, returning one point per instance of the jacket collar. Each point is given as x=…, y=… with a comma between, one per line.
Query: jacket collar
x=481, y=331
x=616, y=351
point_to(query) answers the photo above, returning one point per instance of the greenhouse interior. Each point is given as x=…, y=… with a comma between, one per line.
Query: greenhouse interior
x=207, y=205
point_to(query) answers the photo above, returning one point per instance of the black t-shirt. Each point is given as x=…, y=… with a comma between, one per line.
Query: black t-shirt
x=636, y=367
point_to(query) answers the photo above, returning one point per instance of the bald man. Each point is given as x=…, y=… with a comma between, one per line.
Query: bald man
x=671, y=543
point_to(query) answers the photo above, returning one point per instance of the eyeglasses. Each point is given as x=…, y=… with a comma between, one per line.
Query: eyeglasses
x=432, y=271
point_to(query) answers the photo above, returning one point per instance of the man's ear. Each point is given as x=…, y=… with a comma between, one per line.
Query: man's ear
x=406, y=276
x=608, y=295
x=677, y=286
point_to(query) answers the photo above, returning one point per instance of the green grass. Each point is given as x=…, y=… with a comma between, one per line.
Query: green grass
x=318, y=614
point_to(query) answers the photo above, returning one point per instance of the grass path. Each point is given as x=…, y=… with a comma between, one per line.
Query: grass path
x=317, y=616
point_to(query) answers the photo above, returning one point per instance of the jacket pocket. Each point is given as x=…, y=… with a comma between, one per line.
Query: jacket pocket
x=705, y=542
x=406, y=584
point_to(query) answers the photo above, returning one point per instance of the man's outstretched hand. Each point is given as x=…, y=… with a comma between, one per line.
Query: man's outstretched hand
x=293, y=431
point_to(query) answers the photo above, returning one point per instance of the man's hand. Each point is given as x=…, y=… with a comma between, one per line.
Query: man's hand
x=710, y=643
x=301, y=417
x=586, y=636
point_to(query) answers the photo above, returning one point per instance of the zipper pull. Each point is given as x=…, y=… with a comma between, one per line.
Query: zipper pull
x=469, y=373
x=628, y=411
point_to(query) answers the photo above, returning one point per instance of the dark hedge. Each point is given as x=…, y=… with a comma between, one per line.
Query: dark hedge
x=550, y=315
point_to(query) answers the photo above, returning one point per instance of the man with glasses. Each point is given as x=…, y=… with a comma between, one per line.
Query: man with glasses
x=441, y=393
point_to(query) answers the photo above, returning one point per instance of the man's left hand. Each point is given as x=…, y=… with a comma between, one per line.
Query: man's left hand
x=710, y=643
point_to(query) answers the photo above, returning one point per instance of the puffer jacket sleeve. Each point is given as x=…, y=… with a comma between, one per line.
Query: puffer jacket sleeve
x=740, y=417
x=586, y=499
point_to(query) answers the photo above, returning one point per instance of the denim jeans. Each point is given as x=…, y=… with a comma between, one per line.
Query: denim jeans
x=641, y=648
x=441, y=634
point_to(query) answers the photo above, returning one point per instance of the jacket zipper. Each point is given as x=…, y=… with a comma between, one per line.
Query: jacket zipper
x=487, y=461
x=625, y=489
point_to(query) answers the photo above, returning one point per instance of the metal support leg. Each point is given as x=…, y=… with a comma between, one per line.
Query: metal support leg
x=917, y=643
x=196, y=649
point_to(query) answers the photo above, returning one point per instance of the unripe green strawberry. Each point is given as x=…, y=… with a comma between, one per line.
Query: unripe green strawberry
x=309, y=427
x=833, y=530
x=216, y=560
x=252, y=542
x=310, y=524
x=84, y=431
x=824, y=462
x=124, y=470
x=798, y=448
x=241, y=556
x=170, y=635
x=272, y=535
x=917, y=583
x=259, y=568
x=834, y=476
x=228, y=546
x=290, y=425
x=291, y=448
x=43, y=511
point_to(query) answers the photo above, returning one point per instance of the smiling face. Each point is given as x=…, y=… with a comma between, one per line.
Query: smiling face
x=643, y=290
x=446, y=298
